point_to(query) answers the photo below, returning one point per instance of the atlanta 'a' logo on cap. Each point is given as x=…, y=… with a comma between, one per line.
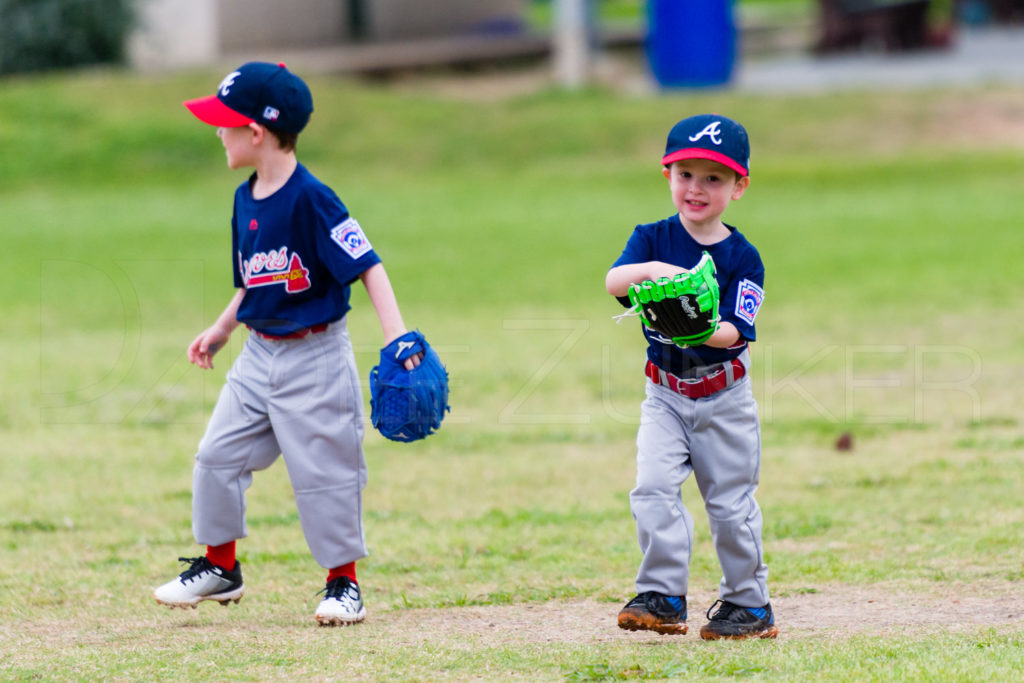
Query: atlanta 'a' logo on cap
x=225, y=86
x=713, y=130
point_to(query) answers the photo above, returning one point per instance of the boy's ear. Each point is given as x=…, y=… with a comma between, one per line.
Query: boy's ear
x=666, y=171
x=258, y=132
x=741, y=186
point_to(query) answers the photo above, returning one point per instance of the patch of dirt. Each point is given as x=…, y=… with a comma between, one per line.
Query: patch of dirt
x=988, y=118
x=492, y=84
x=829, y=613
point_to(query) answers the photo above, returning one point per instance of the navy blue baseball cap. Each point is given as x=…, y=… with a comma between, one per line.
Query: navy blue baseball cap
x=709, y=136
x=257, y=92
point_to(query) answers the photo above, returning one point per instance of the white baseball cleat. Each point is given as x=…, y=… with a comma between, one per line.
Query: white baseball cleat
x=202, y=581
x=342, y=605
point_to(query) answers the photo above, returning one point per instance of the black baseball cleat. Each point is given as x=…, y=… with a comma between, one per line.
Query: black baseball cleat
x=653, y=611
x=737, y=623
x=202, y=581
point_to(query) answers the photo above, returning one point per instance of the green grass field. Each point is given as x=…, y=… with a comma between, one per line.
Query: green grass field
x=503, y=546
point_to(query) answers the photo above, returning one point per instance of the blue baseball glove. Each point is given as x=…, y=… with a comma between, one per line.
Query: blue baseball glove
x=407, y=405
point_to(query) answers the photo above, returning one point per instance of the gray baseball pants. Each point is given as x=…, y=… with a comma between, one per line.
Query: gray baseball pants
x=299, y=398
x=718, y=438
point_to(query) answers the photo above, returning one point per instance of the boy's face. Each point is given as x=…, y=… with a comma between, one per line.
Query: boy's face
x=702, y=189
x=238, y=145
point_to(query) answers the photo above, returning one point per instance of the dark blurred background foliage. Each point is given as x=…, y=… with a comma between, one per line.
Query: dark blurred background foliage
x=39, y=35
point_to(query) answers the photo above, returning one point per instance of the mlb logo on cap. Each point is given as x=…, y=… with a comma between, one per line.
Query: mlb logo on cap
x=712, y=137
x=257, y=92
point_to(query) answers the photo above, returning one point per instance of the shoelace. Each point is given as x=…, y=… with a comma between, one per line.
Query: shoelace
x=197, y=566
x=641, y=599
x=734, y=613
x=646, y=599
x=339, y=588
x=724, y=612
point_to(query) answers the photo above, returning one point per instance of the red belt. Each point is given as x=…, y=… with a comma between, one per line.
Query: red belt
x=297, y=334
x=699, y=387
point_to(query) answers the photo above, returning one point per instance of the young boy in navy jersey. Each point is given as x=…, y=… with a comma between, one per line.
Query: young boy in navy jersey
x=294, y=389
x=699, y=415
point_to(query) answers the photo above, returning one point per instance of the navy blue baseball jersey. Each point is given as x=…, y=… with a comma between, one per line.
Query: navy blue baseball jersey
x=740, y=275
x=296, y=252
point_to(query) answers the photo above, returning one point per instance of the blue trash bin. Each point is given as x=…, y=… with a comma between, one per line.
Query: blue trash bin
x=691, y=43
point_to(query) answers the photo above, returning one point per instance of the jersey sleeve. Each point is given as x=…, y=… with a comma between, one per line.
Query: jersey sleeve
x=638, y=250
x=742, y=295
x=340, y=241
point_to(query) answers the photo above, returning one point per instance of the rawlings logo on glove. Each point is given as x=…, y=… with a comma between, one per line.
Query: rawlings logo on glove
x=407, y=405
x=683, y=308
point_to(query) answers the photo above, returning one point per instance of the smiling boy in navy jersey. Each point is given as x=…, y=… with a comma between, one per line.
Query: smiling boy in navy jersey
x=294, y=390
x=699, y=415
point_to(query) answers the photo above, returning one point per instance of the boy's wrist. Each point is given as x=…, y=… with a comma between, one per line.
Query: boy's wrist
x=392, y=334
x=225, y=327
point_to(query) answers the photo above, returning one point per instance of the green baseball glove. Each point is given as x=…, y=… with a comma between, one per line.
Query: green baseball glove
x=683, y=308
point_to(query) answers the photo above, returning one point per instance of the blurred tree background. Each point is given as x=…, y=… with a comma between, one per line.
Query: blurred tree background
x=40, y=35
x=36, y=35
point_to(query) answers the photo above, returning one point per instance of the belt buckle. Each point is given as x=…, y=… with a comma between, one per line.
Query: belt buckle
x=703, y=386
x=691, y=388
x=699, y=387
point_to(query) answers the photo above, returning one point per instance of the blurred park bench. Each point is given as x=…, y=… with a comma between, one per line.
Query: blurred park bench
x=893, y=25
x=899, y=25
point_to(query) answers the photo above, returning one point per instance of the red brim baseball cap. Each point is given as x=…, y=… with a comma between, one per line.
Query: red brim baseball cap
x=698, y=153
x=257, y=92
x=214, y=112
x=712, y=137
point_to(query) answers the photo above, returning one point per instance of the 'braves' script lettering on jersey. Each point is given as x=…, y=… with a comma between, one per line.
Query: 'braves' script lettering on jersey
x=712, y=130
x=279, y=271
x=271, y=260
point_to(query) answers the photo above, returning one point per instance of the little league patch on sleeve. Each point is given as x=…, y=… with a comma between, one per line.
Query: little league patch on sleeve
x=748, y=301
x=350, y=237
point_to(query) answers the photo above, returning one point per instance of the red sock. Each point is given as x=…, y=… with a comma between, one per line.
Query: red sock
x=348, y=570
x=222, y=555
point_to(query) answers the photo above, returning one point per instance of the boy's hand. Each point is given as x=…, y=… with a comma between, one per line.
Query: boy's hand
x=408, y=404
x=682, y=308
x=618, y=279
x=208, y=343
x=664, y=270
x=413, y=360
